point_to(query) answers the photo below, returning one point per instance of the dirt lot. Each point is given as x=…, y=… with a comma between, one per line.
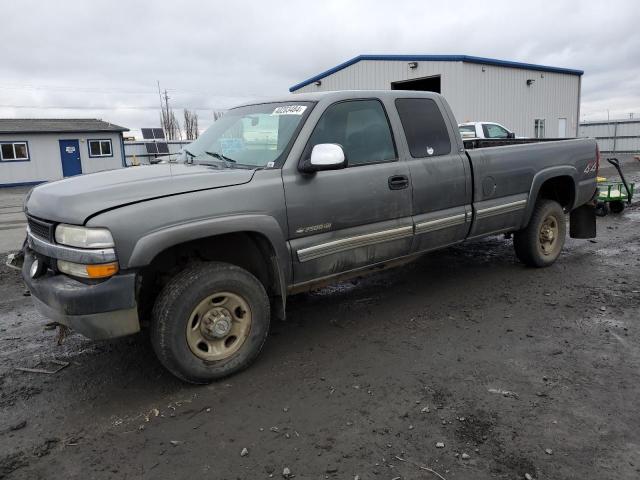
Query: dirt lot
x=516, y=371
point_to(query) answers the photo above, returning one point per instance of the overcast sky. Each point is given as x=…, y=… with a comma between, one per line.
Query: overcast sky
x=102, y=59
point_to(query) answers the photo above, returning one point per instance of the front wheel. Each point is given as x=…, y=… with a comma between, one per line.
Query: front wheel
x=540, y=243
x=210, y=321
x=602, y=209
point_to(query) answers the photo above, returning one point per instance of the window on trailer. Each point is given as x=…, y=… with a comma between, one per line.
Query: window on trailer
x=100, y=148
x=14, y=151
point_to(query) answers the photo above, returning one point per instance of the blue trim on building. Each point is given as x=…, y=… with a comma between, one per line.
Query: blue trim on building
x=124, y=156
x=22, y=184
x=437, y=58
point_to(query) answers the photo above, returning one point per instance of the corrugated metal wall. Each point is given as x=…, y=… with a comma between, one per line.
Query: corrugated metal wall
x=620, y=136
x=498, y=94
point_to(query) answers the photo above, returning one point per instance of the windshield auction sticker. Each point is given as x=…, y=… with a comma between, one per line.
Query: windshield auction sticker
x=290, y=110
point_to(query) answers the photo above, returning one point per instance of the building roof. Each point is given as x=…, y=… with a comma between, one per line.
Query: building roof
x=57, y=125
x=437, y=58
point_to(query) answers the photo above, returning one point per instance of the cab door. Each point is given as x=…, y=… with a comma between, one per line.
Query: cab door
x=342, y=220
x=439, y=174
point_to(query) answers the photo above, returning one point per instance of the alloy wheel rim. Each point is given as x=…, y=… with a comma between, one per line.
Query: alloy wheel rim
x=218, y=326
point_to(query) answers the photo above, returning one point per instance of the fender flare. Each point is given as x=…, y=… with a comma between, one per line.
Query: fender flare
x=541, y=177
x=150, y=245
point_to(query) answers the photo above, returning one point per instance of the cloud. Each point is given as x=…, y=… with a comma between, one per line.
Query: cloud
x=103, y=59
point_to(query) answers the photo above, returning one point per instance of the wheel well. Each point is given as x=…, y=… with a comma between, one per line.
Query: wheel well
x=249, y=250
x=560, y=189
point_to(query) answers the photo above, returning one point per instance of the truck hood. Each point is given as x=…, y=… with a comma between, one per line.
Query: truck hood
x=73, y=200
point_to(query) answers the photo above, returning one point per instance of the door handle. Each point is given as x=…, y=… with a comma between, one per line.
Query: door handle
x=398, y=182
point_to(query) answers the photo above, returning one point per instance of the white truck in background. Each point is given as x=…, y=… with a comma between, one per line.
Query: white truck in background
x=470, y=130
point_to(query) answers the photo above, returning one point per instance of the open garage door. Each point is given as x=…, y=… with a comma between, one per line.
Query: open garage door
x=424, y=84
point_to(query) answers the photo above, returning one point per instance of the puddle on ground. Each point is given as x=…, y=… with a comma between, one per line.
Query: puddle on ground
x=622, y=253
x=606, y=320
x=635, y=215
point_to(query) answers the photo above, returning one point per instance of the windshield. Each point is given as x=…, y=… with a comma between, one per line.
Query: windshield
x=251, y=136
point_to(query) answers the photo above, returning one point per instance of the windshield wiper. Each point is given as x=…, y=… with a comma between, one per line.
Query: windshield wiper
x=220, y=156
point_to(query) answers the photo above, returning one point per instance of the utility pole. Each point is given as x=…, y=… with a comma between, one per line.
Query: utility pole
x=170, y=125
x=159, y=94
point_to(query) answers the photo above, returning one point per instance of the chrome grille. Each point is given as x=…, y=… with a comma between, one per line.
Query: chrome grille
x=41, y=228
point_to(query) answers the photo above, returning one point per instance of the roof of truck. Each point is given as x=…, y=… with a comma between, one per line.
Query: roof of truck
x=437, y=58
x=338, y=95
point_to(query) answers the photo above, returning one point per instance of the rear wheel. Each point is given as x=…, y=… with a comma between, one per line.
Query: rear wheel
x=210, y=321
x=540, y=243
x=617, y=206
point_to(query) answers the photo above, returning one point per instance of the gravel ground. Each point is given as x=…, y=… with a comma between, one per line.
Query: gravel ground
x=464, y=362
x=12, y=220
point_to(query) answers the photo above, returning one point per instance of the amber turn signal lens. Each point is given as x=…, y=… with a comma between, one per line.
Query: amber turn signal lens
x=103, y=270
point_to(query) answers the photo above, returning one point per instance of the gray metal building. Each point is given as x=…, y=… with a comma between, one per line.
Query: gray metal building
x=614, y=136
x=531, y=100
x=37, y=150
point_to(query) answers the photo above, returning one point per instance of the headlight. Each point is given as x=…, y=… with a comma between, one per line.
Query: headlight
x=83, y=237
x=102, y=270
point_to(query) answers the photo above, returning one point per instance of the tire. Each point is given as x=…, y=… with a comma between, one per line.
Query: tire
x=540, y=243
x=210, y=321
x=617, y=206
x=602, y=209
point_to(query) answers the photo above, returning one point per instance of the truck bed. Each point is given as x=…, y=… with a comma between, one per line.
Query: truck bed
x=475, y=143
x=508, y=173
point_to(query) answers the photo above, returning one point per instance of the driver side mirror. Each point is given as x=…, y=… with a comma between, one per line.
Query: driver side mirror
x=325, y=156
x=511, y=135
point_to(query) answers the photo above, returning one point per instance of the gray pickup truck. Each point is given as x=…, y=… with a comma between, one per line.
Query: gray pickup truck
x=281, y=197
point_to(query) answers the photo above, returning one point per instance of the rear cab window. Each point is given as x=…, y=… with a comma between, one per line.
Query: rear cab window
x=424, y=127
x=467, y=131
x=360, y=127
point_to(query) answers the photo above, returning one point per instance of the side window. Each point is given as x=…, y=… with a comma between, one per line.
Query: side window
x=14, y=151
x=492, y=130
x=424, y=127
x=360, y=127
x=467, y=131
x=100, y=148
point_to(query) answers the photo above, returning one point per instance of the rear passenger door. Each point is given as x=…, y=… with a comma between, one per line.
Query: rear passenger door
x=342, y=220
x=439, y=175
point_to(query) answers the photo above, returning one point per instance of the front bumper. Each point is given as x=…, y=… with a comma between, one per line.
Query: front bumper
x=99, y=311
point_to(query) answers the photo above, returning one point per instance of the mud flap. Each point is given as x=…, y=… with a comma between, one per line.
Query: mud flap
x=582, y=222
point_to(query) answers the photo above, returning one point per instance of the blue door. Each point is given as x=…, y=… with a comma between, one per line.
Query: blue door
x=70, y=156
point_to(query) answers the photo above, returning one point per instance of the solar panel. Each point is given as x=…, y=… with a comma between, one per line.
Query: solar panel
x=162, y=147
x=158, y=134
x=147, y=133
x=151, y=148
